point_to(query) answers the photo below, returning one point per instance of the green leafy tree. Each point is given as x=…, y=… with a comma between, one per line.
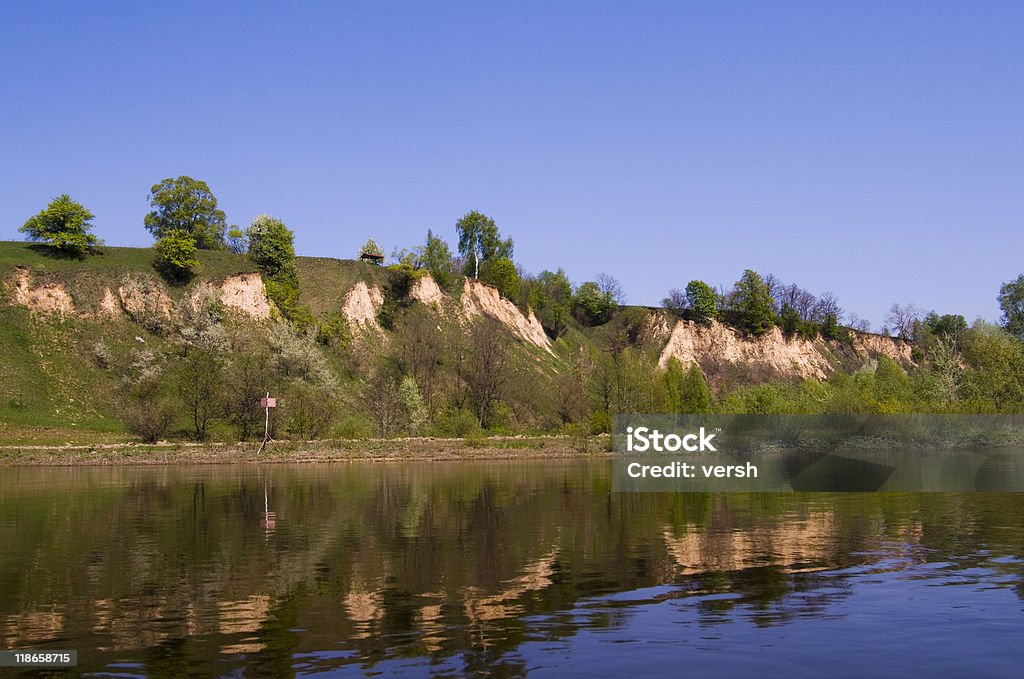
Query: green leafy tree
x=591, y=306
x=752, y=304
x=695, y=396
x=272, y=250
x=952, y=326
x=271, y=247
x=1011, y=301
x=187, y=206
x=672, y=380
x=892, y=387
x=479, y=241
x=501, y=273
x=789, y=319
x=176, y=256
x=686, y=390
x=64, y=225
x=702, y=302
x=238, y=243
x=308, y=409
x=415, y=409
x=437, y=260
x=995, y=380
x=829, y=327
x=550, y=297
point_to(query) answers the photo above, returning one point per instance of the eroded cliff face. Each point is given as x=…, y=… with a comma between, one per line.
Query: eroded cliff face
x=144, y=298
x=869, y=344
x=362, y=302
x=360, y=307
x=721, y=352
x=480, y=299
x=425, y=290
x=724, y=354
x=247, y=294
x=140, y=297
x=45, y=298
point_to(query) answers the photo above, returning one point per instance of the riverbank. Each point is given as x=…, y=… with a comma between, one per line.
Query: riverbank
x=339, y=450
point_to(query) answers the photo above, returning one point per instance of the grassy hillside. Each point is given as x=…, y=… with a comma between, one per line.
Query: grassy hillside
x=87, y=374
x=63, y=377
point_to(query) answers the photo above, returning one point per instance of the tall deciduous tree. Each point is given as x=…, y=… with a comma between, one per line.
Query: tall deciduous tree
x=1011, y=301
x=702, y=301
x=271, y=247
x=486, y=368
x=419, y=347
x=686, y=390
x=611, y=288
x=437, y=259
x=272, y=250
x=591, y=306
x=904, y=319
x=752, y=304
x=501, y=273
x=383, y=399
x=187, y=206
x=200, y=380
x=675, y=301
x=479, y=240
x=238, y=242
x=64, y=225
x=549, y=294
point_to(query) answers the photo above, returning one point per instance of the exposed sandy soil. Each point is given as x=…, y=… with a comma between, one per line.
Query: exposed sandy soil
x=361, y=305
x=479, y=299
x=45, y=299
x=695, y=343
x=109, y=307
x=426, y=291
x=246, y=293
x=144, y=297
x=868, y=344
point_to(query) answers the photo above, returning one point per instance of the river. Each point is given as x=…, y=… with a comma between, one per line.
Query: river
x=500, y=568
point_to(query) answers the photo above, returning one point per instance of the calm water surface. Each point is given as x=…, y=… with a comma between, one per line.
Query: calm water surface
x=500, y=568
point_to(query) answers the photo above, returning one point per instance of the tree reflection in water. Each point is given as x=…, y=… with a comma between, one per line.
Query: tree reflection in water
x=446, y=566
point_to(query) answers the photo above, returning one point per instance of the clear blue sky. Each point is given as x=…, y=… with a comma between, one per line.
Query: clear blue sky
x=872, y=149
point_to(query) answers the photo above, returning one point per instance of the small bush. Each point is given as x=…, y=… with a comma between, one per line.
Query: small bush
x=176, y=257
x=354, y=427
x=461, y=423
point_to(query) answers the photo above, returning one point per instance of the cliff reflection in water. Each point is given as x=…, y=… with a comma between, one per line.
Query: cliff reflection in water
x=324, y=566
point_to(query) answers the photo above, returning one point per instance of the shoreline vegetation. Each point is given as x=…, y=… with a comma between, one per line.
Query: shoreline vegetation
x=770, y=441
x=410, y=449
